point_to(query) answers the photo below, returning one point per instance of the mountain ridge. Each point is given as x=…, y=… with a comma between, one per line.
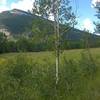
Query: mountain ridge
x=17, y=22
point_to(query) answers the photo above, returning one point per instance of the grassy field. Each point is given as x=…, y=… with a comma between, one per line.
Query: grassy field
x=31, y=76
x=49, y=56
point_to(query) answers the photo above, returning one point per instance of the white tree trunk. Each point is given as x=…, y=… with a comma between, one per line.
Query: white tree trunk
x=57, y=36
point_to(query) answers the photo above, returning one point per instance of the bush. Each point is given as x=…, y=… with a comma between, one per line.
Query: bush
x=22, y=79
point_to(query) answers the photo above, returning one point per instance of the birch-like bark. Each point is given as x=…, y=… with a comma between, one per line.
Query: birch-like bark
x=57, y=36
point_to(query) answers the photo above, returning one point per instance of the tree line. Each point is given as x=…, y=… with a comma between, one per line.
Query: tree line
x=42, y=37
x=40, y=43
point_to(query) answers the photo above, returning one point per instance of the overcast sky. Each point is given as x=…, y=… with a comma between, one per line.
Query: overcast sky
x=83, y=9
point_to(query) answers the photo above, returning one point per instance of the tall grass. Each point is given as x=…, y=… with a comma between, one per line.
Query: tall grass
x=23, y=79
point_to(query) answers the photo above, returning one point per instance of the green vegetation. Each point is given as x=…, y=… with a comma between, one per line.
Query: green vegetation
x=28, y=76
x=48, y=74
x=42, y=42
x=97, y=7
x=15, y=24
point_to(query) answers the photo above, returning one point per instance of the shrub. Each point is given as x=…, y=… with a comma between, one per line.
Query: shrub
x=22, y=79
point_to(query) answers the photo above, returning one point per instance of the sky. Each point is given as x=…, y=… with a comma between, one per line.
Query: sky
x=86, y=14
x=83, y=9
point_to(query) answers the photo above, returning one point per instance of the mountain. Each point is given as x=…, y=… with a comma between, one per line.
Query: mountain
x=15, y=22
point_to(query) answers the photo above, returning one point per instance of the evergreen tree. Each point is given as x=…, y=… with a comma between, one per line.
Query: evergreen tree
x=98, y=16
x=3, y=40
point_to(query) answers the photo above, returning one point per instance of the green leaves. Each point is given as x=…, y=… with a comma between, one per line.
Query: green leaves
x=22, y=78
x=46, y=9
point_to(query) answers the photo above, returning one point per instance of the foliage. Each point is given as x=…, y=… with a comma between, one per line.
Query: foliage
x=15, y=24
x=46, y=9
x=3, y=40
x=21, y=77
x=43, y=42
x=98, y=16
x=66, y=14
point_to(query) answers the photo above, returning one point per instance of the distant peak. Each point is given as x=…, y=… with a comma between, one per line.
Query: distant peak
x=19, y=12
x=15, y=9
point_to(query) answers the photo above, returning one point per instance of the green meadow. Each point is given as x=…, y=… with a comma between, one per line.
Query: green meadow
x=31, y=76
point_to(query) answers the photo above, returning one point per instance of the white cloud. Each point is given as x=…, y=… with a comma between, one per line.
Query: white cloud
x=94, y=2
x=3, y=5
x=23, y=5
x=20, y=4
x=3, y=8
x=3, y=2
x=88, y=25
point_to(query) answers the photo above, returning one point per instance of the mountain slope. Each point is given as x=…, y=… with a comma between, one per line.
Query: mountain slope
x=17, y=22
